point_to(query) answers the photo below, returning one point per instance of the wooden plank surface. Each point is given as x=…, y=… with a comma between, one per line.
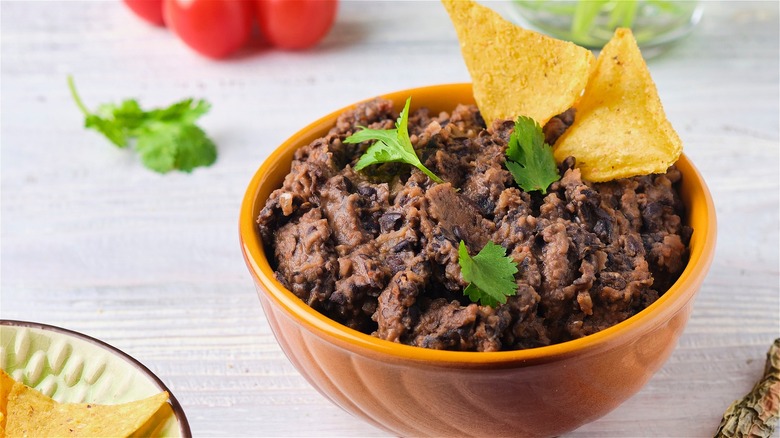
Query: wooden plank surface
x=92, y=241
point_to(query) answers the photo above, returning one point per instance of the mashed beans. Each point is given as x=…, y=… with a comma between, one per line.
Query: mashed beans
x=377, y=250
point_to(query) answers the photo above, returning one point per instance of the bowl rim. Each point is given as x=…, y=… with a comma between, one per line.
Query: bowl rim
x=702, y=249
x=178, y=411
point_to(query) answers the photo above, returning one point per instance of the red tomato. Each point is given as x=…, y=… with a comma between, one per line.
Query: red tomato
x=149, y=10
x=295, y=24
x=214, y=28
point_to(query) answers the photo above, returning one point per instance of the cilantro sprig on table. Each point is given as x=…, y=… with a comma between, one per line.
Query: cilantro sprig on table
x=529, y=159
x=390, y=145
x=490, y=273
x=165, y=138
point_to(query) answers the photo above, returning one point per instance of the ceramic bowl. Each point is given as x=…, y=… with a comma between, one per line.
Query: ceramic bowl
x=71, y=367
x=412, y=391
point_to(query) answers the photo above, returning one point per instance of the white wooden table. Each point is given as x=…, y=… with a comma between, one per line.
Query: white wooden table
x=94, y=242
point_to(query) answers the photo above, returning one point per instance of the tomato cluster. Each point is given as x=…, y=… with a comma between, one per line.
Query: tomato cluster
x=217, y=28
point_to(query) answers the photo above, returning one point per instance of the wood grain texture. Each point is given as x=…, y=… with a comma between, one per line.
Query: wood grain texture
x=91, y=241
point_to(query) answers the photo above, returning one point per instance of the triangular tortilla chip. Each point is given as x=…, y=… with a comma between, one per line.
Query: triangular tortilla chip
x=620, y=128
x=6, y=383
x=515, y=71
x=32, y=414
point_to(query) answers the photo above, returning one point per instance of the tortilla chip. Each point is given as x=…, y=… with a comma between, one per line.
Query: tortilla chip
x=515, y=71
x=32, y=414
x=620, y=128
x=6, y=383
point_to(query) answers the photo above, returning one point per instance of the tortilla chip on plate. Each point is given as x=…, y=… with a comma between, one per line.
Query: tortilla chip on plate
x=620, y=128
x=29, y=413
x=6, y=383
x=515, y=71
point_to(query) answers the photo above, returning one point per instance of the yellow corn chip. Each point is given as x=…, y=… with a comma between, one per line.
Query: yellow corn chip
x=620, y=128
x=32, y=414
x=6, y=383
x=515, y=71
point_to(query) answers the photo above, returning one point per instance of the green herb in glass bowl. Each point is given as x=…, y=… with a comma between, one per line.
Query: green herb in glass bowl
x=591, y=23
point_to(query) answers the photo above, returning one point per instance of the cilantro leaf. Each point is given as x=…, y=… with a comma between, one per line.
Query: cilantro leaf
x=165, y=138
x=490, y=273
x=166, y=146
x=529, y=159
x=185, y=111
x=390, y=146
x=113, y=132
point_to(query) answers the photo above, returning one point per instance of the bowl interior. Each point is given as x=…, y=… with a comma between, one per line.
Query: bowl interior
x=700, y=215
x=74, y=368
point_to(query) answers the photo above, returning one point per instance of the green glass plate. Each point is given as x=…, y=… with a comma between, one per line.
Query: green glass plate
x=74, y=368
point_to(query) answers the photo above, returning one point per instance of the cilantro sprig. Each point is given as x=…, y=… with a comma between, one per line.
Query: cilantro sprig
x=165, y=138
x=490, y=273
x=390, y=145
x=529, y=159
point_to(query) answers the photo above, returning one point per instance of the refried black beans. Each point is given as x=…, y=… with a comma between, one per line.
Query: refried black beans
x=377, y=250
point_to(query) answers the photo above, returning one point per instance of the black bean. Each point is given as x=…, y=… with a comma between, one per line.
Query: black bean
x=458, y=232
x=390, y=221
x=633, y=245
x=652, y=216
x=566, y=164
x=404, y=244
x=366, y=191
x=348, y=186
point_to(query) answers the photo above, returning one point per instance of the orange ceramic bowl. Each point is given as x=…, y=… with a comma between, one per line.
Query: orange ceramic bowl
x=412, y=391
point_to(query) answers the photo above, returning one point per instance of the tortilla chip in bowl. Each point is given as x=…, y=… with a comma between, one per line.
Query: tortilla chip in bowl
x=517, y=71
